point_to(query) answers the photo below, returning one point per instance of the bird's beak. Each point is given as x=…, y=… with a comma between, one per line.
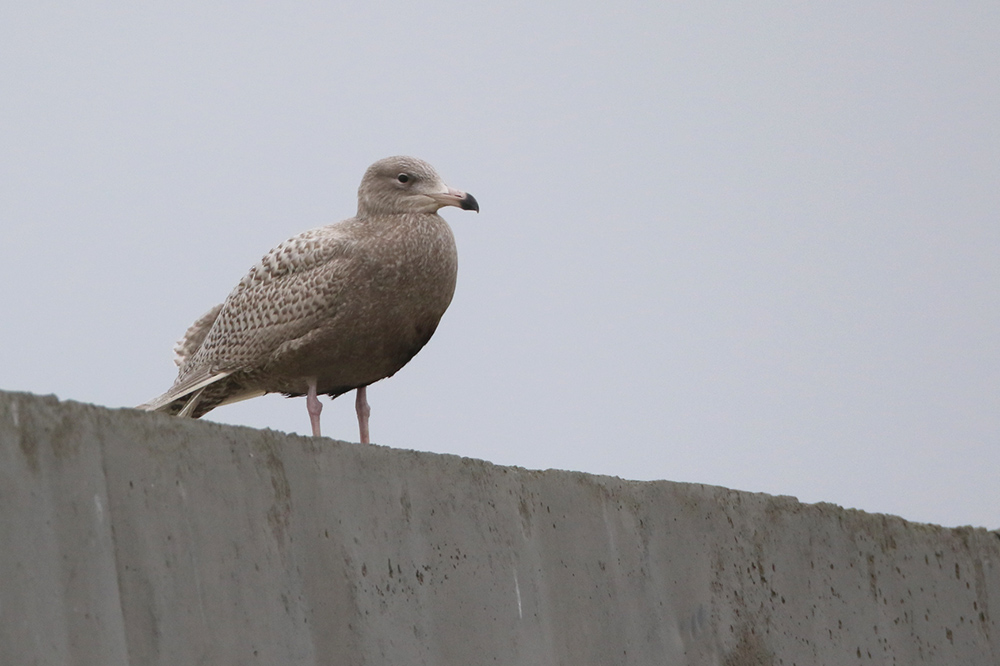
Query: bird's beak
x=457, y=198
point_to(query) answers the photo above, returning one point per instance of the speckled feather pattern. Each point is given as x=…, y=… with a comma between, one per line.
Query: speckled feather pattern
x=348, y=303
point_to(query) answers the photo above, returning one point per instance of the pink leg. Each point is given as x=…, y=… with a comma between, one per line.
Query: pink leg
x=361, y=404
x=314, y=406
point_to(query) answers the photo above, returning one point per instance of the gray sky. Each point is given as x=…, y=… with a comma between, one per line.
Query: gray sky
x=758, y=248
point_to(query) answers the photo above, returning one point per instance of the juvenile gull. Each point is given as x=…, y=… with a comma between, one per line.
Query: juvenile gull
x=333, y=309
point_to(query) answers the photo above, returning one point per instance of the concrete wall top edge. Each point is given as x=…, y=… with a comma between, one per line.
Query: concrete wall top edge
x=69, y=408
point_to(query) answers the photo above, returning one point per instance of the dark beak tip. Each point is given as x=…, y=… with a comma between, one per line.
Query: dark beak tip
x=470, y=203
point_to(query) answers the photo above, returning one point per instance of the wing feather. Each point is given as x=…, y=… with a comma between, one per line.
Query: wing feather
x=195, y=335
x=280, y=299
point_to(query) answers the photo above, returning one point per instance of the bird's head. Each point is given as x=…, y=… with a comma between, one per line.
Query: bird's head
x=403, y=184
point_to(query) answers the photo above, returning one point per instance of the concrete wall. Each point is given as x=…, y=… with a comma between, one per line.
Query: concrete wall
x=134, y=538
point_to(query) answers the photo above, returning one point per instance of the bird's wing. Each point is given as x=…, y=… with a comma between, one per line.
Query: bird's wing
x=285, y=295
x=279, y=300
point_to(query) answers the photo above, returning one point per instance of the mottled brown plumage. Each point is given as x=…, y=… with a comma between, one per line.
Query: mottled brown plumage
x=333, y=309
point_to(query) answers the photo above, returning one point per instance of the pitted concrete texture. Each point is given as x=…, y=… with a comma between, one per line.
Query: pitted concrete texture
x=134, y=538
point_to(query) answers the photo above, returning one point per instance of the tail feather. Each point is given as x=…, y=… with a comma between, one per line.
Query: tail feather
x=192, y=386
x=192, y=403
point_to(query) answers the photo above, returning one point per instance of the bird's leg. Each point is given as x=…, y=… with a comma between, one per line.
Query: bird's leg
x=314, y=406
x=361, y=404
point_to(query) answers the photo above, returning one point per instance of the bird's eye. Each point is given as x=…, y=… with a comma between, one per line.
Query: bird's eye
x=403, y=178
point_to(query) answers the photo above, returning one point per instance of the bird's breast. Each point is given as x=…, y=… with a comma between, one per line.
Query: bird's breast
x=382, y=310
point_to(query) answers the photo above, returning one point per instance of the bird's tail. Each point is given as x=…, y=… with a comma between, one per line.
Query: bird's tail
x=184, y=397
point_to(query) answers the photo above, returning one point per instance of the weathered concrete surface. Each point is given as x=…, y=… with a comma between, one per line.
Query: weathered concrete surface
x=134, y=538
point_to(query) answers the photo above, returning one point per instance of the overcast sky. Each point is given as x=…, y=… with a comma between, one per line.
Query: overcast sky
x=744, y=246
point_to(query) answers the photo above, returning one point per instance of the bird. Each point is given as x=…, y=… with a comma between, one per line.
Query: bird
x=333, y=309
